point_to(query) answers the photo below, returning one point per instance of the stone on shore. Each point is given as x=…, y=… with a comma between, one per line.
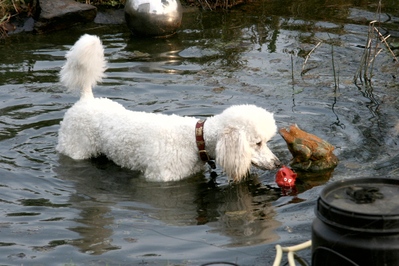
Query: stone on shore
x=62, y=14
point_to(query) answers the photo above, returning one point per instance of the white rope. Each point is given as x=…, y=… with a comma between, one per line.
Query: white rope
x=291, y=252
x=279, y=255
x=291, y=259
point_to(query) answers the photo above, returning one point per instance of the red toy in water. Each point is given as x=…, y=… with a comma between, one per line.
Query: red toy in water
x=285, y=177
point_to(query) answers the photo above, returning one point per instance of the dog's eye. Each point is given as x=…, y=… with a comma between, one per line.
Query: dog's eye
x=259, y=143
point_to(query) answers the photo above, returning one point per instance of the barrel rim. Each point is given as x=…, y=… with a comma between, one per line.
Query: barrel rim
x=356, y=220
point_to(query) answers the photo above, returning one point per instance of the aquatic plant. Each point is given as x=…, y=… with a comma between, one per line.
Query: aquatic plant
x=371, y=50
x=375, y=43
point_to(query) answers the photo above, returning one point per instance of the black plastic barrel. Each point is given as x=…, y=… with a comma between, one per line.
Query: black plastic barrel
x=357, y=223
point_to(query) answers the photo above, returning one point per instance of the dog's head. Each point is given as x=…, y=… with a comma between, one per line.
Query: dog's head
x=243, y=139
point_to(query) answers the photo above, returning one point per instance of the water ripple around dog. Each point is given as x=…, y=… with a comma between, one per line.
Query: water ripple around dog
x=56, y=211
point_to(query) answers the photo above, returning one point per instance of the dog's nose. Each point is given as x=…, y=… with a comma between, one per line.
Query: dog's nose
x=277, y=163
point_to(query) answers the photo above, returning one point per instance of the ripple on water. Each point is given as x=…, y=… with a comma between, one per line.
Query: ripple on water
x=54, y=209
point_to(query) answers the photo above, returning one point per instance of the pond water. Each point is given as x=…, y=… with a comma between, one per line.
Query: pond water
x=56, y=211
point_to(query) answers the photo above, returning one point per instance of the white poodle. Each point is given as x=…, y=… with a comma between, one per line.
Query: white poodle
x=163, y=147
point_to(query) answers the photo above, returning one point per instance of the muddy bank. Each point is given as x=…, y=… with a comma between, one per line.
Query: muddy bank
x=42, y=16
x=52, y=15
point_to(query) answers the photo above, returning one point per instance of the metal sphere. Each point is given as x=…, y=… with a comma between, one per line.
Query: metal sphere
x=153, y=17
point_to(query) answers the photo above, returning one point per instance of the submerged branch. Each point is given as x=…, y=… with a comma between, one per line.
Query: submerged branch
x=308, y=56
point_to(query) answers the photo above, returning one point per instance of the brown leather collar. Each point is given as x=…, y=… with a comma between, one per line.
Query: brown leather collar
x=199, y=137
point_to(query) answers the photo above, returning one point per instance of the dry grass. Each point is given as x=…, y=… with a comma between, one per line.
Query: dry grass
x=215, y=4
x=5, y=15
x=11, y=8
x=104, y=2
x=205, y=4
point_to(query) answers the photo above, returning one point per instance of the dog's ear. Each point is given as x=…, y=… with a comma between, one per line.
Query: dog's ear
x=233, y=153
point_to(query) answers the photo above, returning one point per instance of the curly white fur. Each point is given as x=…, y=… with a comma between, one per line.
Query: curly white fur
x=162, y=146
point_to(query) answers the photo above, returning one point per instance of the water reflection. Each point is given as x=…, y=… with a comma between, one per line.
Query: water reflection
x=57, y=209
x=244, y=213
x=240, y=212
x=160, y=56
x=95, y=232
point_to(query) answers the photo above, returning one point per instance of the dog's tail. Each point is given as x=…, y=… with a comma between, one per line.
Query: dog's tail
x=85, y=65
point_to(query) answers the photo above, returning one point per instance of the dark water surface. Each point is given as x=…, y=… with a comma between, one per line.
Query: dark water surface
x=56, y=211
